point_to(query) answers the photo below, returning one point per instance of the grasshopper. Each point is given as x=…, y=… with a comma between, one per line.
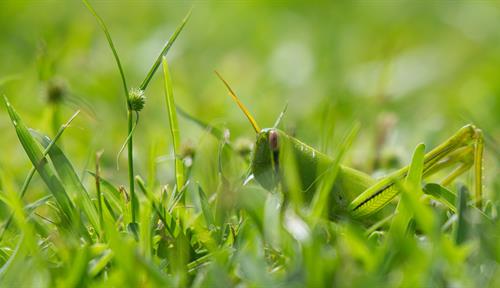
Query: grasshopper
x=355, y=192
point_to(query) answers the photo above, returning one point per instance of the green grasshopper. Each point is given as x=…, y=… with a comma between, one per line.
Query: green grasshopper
x=354, y=191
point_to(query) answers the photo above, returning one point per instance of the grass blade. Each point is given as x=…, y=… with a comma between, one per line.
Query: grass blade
x=40, y=162
x=164, y=51
x=111, y=45
x=411, y=185
x=411, y=205
x=111, y=196
x=130, y=153
x=441, y=194
x=205, y=207
x=174, y=126
x=98, y=188
x=27, y=181
x=158, y=209
x=415, y=172
x=69, y=178
x=461, y=229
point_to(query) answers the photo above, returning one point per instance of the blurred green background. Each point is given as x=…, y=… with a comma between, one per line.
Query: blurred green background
x=408, y=72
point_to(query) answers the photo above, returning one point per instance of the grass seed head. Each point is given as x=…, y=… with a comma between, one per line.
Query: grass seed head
x=137, y=99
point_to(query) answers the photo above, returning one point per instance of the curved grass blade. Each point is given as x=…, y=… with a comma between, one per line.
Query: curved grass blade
x=441, y=194
x=97, y=265
x=69, y=178
x=111, y=45
x=27, y=181
x=35, y=154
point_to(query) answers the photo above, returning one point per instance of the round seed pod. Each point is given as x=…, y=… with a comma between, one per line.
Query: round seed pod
x=137, y=99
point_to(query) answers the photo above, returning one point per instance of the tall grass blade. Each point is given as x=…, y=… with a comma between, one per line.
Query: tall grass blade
x=411, y=185
x=174, y=126
x=411, y=197
x=461, y=227
x=30, y=175
x=98, y=188
x=130, y=127
x=164, y=51
x=111, y=45
x=35, y=154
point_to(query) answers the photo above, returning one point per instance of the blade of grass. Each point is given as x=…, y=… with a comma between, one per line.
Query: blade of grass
x=205, y=207
x=111, y=196
x=411, y=194
x=441, y=194
x=26, y=228
x=97, y=265
x=98, y=187
x=164, y=51
x=174, y=126
x=216, y=132
x=162, y=214
x=35, y=154
x=412, y=184
x=112, y=46
x=280, y=117
x=461, y=226
x=70, y=179
x=30, y=175
x=78, y=270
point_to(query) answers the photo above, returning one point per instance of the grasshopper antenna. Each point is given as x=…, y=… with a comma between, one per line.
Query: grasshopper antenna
x=240, y=104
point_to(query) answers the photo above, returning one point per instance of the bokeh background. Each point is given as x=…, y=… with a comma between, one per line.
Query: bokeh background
x=408, y=72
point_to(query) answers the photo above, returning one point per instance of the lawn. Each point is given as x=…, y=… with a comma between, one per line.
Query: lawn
x=222, y=144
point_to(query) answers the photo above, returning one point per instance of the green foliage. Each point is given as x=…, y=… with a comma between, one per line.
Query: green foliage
x=203, y=222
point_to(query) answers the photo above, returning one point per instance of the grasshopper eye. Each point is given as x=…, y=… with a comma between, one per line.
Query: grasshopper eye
x=273, y=140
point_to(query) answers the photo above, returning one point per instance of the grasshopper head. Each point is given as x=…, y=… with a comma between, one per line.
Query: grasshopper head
x=265, y=162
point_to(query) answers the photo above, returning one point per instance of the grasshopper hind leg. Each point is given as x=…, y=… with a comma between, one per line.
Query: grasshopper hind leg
x=457, y=150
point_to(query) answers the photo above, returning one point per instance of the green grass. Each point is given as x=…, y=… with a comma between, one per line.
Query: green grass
x=187, y=220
